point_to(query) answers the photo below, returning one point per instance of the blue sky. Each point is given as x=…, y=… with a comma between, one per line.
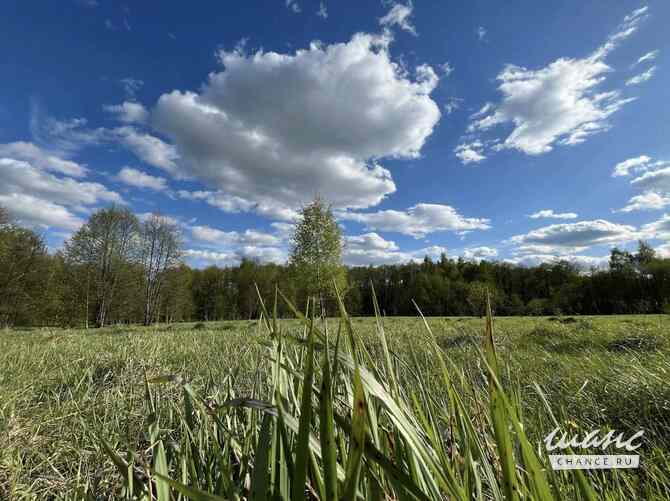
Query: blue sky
x=523, y=132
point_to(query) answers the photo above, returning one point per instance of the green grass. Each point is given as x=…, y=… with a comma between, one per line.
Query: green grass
x=64, y=394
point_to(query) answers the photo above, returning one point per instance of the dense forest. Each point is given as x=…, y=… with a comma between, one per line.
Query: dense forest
x=116, y=269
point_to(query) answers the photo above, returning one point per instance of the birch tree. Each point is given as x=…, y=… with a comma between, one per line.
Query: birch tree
x=160, y=244
x=316, y=251
x=103, y=247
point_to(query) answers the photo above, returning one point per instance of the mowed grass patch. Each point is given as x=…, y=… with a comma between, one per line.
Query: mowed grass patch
x=60, y=390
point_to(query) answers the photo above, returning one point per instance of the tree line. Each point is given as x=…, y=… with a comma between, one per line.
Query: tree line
x=118, y=269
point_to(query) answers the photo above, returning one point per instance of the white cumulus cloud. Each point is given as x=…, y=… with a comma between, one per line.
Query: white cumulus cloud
x=417, y=221
x=372, y=249
x=222, y=258
x=573, y=237
x=150, y=149
x=646, y=201
x=21, y=177
x=275, y=129
x=631, y=165
x=658, y=229
x=38, y=198
x=470, y=152
x=480, y=253
x=657, y=180
x=41, y=158
x=653, y=181
x=246, y=238
x=36, y=212
x=369, y=241
x=580, y=261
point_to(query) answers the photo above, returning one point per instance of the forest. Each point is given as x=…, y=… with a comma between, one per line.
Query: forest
x=117, y=269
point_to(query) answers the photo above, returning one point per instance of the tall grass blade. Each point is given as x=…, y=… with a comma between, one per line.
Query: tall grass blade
x=327, y=428
x=356, y=440
x=261, y=475
x=499, y=416
x=302, y=443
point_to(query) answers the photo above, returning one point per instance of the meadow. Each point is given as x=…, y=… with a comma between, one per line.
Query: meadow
x=192, y=402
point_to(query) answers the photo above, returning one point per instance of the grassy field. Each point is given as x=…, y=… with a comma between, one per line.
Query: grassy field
x=61, y=391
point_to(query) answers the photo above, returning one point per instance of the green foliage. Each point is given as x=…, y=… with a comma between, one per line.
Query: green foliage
x=104, y=251
x=26, y=279
x=316, y=253
x=99, y=280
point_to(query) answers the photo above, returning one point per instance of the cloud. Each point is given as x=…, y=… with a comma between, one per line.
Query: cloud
x=372, y=249
x=657, y=180
x=361, y=257
x=323, y=11
x=417, y=221
x=220, y=258
x=228, y=248
x=653, y=180
x=23, y=178
x=369, y=241
x=657, y=229
x=41, y=158
x=275, y=129
x=447, y=69
x=558, y=104
x=139, y=179
x=647, y=201
x=234, y=204
x=37, y=198
x=31, y=211
x=128, y=112
x=550, y=214
x=260, y=254
x=72, y=135
x=175, y=221
x=642, y=77
x=399, y=16
x=649, y=56
x=283, y=230
x=61, y=136
x=573, y=237
x=481, y=33
x=453, y=104
x=632, y=164
x=293, y=6
x=223, y=238
x=149, y=149
x=663, y=251
x=480, y=253
x=580, y=261
x=470, y=152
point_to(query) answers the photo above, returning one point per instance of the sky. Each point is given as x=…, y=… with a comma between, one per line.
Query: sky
x=514, y=131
